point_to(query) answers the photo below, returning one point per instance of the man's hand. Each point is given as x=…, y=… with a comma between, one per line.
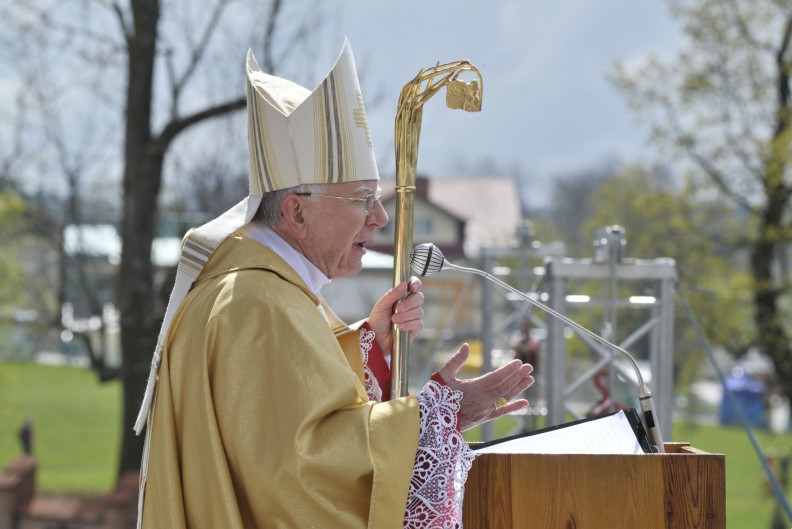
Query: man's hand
x=391, y=309
x=480, y=394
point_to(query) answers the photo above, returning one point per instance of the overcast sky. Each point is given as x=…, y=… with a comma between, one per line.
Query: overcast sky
x=547, y=108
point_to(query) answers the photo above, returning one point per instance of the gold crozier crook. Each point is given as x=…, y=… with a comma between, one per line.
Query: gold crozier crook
x=459, y=94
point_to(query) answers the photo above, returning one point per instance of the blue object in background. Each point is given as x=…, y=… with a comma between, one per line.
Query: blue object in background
x=750, y=393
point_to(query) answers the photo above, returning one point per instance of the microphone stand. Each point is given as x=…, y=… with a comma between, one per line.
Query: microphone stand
x=644, y=395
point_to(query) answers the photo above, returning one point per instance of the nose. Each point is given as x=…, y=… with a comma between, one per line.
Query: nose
x=377, y=215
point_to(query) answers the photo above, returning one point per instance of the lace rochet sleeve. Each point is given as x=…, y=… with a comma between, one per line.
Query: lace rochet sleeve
x=442, y=462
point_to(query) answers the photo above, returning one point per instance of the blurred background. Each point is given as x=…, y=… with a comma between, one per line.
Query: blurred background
x=630, y=167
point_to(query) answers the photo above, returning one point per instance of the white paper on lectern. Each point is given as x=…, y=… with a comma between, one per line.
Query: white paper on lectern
x=607, y=435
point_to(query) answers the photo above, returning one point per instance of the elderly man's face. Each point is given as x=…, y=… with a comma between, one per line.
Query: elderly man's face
x=339, y=230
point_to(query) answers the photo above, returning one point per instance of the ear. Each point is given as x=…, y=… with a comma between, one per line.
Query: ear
x=293, y=217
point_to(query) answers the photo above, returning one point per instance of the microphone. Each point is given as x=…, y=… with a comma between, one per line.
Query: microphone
x=427, y=260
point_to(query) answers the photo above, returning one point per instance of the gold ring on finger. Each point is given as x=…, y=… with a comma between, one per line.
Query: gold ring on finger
x=501, y=402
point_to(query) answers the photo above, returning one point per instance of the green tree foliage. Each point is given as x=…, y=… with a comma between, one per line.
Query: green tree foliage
x=12, y=214
x=26, y=300
x=700, y=235
x=724, y=103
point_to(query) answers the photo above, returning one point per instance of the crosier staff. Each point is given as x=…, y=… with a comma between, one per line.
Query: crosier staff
x=459, y=95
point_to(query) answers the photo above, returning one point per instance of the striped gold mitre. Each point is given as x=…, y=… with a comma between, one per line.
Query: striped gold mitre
x=333, y=135
x=264, y=172
x=301, y=137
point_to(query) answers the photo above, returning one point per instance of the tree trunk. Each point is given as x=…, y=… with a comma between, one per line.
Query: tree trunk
x=142, y=176
x=772, y=337
x=144, y=155
x=771, y=240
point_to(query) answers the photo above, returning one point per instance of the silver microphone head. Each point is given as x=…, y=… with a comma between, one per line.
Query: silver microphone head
x=426, y=260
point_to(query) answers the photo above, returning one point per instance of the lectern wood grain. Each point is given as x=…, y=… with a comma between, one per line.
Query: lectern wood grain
x=682, y=489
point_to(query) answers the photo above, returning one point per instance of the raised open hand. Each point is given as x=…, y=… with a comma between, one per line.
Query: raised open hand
x=480, y=394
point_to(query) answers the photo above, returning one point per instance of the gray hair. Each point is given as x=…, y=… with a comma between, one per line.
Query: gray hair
x=269, y=213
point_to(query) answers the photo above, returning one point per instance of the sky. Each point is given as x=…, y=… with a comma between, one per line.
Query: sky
x=548, y=109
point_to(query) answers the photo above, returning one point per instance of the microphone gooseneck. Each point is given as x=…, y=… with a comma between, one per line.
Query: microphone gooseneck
x=427, y=260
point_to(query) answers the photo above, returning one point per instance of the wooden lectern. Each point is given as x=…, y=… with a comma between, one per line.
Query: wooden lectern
x=682, y=489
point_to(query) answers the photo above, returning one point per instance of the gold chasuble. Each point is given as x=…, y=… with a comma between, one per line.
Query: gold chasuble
x=261, y=418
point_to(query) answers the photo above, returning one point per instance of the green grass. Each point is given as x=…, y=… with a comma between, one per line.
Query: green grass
x=77, y=436
x=749, y=499
x=76, y=421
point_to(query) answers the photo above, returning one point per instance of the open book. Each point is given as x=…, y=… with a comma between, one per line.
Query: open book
x=617, y=433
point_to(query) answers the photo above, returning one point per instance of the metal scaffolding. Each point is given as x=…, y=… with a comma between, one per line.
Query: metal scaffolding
x=525, y=250
x=656, y=279
x=657, y=300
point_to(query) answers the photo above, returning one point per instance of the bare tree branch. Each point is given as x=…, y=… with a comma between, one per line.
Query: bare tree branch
x=68, y=29
x=689, y=145
x=17, y=150
x=171, y=71
x=782, y=83
x=736, y=144
x=73, y=164
x=269, y=34
x=122, y=21
x=176, y=126
x=785, y=39
x=198, y=51
x=718, y=177
x=745, y=32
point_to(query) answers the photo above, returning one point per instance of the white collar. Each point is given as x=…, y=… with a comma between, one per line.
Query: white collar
x=312, y=276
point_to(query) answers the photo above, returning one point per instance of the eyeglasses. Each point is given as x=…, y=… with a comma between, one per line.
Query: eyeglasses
x=368, y=201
